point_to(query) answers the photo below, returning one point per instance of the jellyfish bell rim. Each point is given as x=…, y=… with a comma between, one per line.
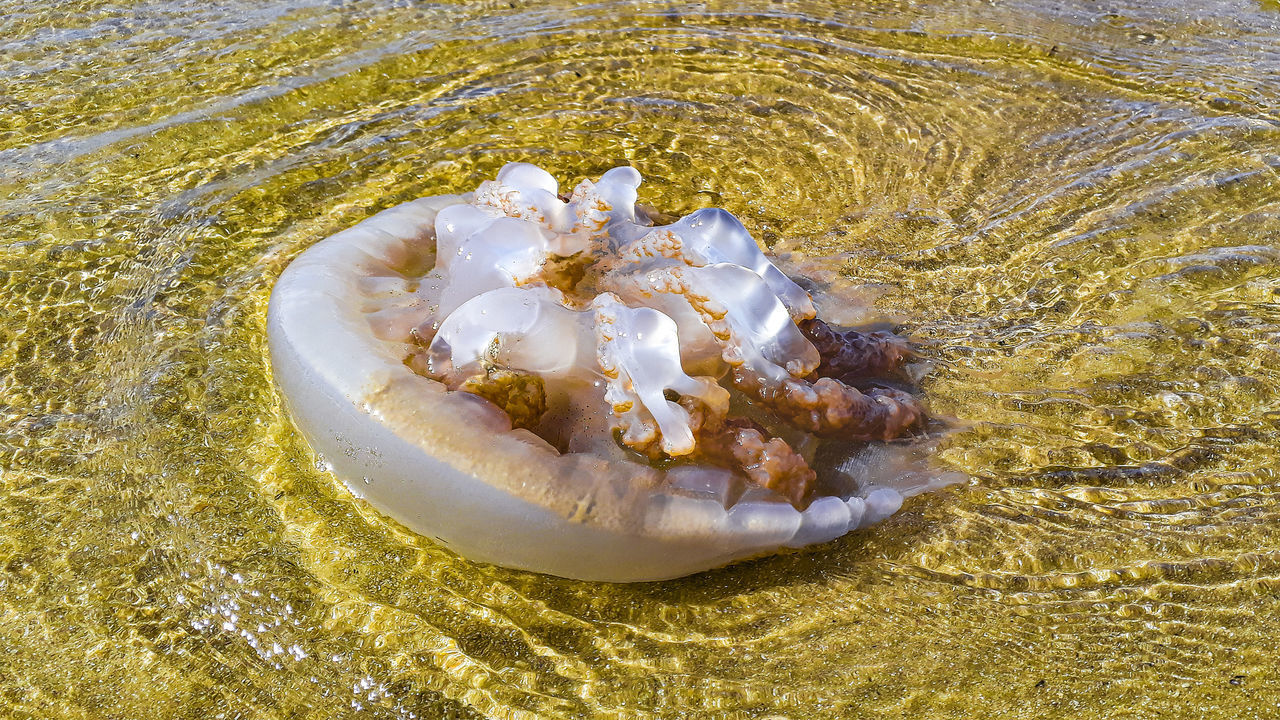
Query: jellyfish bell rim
x=446, y=467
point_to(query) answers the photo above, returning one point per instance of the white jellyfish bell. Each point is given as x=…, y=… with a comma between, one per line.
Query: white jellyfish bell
x=560, y=386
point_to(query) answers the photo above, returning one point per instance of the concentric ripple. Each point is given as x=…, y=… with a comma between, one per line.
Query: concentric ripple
x=1075, y=211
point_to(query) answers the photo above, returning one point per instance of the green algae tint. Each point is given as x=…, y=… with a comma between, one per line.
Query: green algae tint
x=1074, y=211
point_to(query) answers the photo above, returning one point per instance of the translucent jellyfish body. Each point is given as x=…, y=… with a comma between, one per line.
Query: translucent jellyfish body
x=555, y=384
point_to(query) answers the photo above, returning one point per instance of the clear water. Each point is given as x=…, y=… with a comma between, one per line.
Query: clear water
x=1075, y=210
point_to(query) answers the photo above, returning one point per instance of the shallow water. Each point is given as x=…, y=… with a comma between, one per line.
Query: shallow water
x=1075, y=211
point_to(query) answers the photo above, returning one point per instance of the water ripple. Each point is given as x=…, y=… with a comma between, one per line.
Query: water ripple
x=1072, y=209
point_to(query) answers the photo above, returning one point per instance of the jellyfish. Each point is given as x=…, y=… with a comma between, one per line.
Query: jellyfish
x=553, y=382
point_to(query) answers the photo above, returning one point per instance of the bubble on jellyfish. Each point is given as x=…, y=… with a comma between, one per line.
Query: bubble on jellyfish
x=555, y=383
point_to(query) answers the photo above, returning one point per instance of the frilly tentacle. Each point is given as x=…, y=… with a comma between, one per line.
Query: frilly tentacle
x=714, y=236
x=506, y=252
x=579, y=225
x=527, y=192
x=527, y=329
x=639, y=353
x=753, y=328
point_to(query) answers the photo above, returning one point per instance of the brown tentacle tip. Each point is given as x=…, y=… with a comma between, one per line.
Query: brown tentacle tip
x=829, y=408
x=769, y=462
x=852, y=355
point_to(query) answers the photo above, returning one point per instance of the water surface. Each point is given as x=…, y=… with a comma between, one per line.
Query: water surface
x=1074, y=210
